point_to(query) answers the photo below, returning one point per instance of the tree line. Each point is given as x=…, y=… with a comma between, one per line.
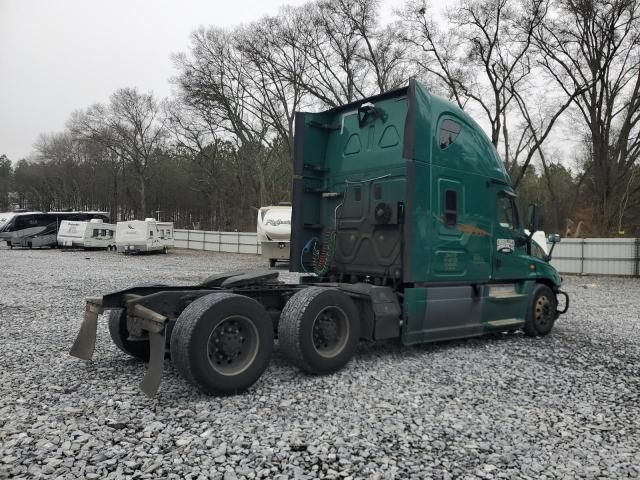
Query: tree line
x=556, y=84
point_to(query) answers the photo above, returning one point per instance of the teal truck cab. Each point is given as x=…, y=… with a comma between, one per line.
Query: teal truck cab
x=404, y=225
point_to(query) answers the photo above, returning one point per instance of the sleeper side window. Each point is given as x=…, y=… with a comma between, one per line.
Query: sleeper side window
x=450, y=207
x=449, y=131
x=507, y=213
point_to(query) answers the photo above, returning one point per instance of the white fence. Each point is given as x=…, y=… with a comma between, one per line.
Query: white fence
x=597, y=256
x=229, y=242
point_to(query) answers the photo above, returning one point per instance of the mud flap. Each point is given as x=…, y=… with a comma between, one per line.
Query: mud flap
x=151, y=381
x=85, y=342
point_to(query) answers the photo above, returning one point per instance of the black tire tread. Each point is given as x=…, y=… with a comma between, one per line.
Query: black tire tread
x=183, y=336
x=139, y=350
x=289, y=327
x=291, y=324
x=529, y=326
x=183, y=332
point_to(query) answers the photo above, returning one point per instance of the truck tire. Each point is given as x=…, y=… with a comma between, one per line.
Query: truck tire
x=119, y=334
x=542, y=311
x=222, y=343
x=319, y=330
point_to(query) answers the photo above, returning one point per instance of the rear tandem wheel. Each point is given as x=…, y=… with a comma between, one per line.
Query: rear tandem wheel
x=222, y=343
x=117, y=320
x=319, y=330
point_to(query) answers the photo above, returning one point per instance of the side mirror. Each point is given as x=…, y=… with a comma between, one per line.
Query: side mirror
x=552, y=239
x=532, y=219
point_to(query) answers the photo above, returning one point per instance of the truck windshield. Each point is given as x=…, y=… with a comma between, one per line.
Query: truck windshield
x=537, y=251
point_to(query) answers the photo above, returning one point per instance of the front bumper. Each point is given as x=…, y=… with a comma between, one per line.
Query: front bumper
x=566, y=302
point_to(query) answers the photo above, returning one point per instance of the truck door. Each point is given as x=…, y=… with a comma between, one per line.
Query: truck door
x=509, y=239
x=462, y=240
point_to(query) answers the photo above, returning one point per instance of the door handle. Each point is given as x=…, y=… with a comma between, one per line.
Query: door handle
x=505, y=250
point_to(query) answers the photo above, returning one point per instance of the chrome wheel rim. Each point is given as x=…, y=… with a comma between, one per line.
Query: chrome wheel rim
x=233, y=345
x=330, y=331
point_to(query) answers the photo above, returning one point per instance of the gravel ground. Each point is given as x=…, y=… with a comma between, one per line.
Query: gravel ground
x=504, y=406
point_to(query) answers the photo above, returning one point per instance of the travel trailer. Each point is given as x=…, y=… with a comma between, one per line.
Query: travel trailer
x=404, y=213
x=88, y=235
x=40, y=229
x=148, y=235
x=274, y=232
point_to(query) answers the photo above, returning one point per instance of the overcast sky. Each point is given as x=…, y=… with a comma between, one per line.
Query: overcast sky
x=57, y=56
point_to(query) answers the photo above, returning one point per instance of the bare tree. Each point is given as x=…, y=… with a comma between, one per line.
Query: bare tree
x=273, y=68
x=212, y=77
x=195, y=139
x=594, y=46
x=349, y=55
x=132, y=127
x=6, y=174
x=482, y=56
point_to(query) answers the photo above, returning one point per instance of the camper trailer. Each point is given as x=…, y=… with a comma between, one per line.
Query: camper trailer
x=40, y=229
x=92, y=234
x=146, y=235
x=274, y=232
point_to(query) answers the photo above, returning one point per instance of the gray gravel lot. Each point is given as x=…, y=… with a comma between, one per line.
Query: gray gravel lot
x=504, y=406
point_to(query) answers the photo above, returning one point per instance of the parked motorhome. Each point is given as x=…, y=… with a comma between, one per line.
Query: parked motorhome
x=92, y=234
x=5, y=217
x=274, y=232
x=40, y=229
x=148, y=235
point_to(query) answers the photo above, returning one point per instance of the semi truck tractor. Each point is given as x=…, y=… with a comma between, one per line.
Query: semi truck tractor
x=404, y=226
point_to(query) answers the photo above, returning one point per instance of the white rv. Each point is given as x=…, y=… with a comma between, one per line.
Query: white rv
x=39, y=229
x=92, y=234
x=146, y=235
x=274, y=232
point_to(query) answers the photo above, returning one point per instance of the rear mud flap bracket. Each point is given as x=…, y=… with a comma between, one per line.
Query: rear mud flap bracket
x=156, y=327
x=85, y=342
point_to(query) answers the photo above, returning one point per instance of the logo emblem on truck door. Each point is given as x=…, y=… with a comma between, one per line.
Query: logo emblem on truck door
x=505, y=244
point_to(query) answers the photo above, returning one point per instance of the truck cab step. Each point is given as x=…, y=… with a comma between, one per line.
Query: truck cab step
x=506, y=323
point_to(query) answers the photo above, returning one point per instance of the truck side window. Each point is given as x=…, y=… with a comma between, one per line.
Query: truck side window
x=450, y=207
x=449, y=130
x=507, y=214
